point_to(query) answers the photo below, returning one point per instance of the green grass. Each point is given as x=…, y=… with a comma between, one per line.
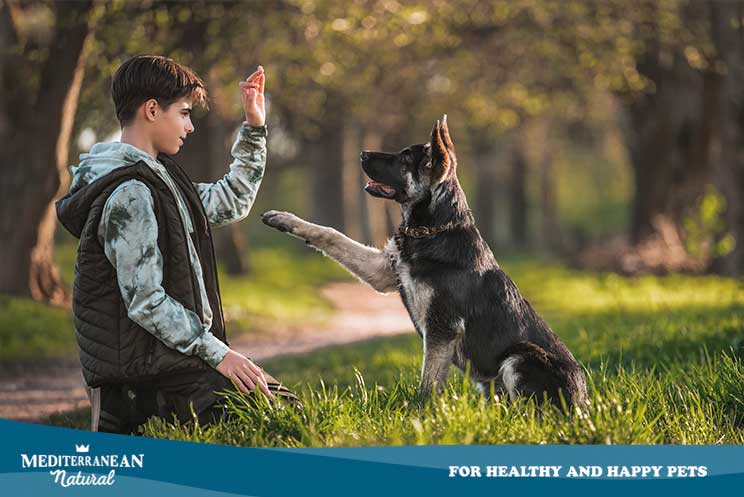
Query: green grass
x=281, y=289
x=698, y=404
x=34, y=333
x=662, y=355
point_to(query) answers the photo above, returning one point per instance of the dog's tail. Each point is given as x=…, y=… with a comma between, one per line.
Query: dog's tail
x=527, y=369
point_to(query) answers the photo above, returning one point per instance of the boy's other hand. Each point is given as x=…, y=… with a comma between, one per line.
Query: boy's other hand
x=243, y=372
x=252, y=94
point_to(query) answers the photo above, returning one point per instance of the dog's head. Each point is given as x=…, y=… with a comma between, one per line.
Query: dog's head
x=409, y=175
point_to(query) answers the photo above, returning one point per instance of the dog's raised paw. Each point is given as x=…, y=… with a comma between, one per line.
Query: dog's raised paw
x=278, y=220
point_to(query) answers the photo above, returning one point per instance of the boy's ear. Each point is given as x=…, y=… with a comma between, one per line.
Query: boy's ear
x=150, y=108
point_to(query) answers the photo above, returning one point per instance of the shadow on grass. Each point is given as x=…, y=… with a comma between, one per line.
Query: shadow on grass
x=646, y=340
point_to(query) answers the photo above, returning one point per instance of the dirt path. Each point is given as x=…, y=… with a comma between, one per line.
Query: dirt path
x=361, y=314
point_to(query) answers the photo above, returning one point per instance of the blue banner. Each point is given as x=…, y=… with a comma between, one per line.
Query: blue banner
x=41, y=460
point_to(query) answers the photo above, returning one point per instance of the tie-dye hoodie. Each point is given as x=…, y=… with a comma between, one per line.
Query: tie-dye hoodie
x=128, y=229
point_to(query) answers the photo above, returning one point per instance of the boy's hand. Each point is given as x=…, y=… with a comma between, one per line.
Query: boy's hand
x=243, y=372
x=252, y=93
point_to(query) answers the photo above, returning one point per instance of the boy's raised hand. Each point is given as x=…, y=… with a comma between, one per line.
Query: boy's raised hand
x=252, y=94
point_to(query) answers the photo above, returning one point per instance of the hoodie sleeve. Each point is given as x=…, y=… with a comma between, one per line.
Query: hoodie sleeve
x=129, y=234
x=230, y=199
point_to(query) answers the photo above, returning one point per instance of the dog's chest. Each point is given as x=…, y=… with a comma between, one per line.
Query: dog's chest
x=416, y=293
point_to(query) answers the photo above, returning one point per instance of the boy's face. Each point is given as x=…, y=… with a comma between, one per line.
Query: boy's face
x=171, y=126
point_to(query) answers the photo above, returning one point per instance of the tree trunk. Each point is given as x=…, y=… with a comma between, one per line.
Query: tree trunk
x=378, y=219
x=670, y=138
x=230, y=242
x=326, y=156
x=353, y=183
x=205, y=157
x=728, y=38
x=486, y=197
x=210, y=155
x=550, y=230
x=34, y=157
x=518, y=210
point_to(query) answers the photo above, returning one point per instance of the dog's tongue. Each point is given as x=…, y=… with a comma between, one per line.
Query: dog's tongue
x=384, y=188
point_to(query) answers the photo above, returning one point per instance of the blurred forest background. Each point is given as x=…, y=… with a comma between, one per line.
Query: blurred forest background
x=608, y=133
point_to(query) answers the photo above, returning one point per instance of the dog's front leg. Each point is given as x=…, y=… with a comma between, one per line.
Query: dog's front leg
x=367, y=263
x=439, y=353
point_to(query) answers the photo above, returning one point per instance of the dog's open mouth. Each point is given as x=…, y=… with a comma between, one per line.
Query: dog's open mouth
x=379, y=190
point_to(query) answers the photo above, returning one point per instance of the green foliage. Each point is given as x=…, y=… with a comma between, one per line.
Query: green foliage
x=495, y=63
x=705, y=227
x=662, y=355
x=492, y=66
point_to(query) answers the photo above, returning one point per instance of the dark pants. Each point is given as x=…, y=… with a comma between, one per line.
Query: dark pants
x=188, y=396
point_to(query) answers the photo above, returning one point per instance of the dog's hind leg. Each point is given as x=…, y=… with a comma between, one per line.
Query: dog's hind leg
x=510, y=376
x=527, y=369
x=491, y=390
x=368, y=264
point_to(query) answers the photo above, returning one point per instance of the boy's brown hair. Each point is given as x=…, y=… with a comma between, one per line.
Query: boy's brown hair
x=153, y=76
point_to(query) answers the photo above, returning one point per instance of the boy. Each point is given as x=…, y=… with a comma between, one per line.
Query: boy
x=146, y=301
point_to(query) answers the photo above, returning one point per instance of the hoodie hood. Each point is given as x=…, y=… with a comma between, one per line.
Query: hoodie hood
x=106, y=163
x=102, y=159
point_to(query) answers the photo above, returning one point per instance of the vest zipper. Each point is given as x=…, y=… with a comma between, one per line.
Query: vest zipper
x=150, y=351
x=219, y=295
x=194, y=283
x=208, y=232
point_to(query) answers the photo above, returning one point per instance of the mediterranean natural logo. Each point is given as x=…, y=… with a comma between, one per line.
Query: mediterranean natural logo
x=65, y=468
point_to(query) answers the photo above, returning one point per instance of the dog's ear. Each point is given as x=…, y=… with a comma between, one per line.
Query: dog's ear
x=446, y=137
x=442, y=161
x=438, y=148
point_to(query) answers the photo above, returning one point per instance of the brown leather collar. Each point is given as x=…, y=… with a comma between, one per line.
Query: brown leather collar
x=427, y=231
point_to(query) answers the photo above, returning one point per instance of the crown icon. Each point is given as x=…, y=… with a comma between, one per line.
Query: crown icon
x=82, y=448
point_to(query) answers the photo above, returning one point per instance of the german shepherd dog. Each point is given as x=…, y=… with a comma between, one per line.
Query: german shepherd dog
x=466, y=309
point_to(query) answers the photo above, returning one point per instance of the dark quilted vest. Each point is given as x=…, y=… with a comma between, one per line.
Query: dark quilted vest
x=112, y=347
